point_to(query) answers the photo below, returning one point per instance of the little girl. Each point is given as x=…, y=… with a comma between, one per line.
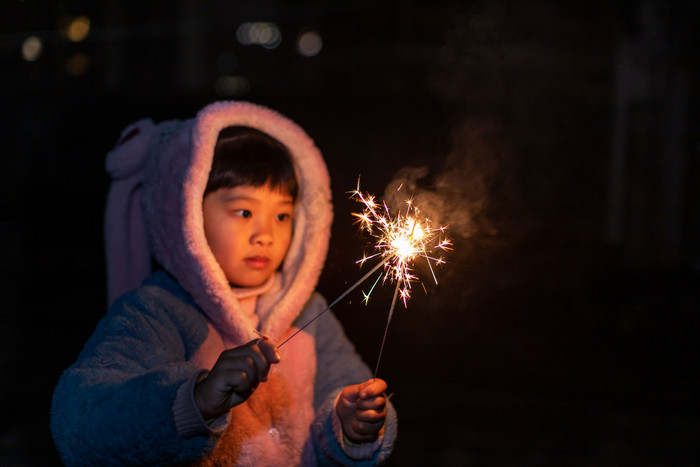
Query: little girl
x=217, y=229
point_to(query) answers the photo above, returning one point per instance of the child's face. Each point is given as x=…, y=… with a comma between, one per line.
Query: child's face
x=248, y=229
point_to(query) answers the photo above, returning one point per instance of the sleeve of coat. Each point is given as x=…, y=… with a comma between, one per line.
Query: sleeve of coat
x=339, y=365
x=114, y=406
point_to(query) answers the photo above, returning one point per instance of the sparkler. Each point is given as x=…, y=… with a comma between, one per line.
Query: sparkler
x=400, y=240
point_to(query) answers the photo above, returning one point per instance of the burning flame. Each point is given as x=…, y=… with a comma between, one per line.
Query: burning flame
x=400, y=240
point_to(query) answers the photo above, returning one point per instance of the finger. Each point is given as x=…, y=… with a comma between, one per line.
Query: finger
x=374, y=403
x=366, y=431
x=269, y=350
x=267, y=355
x=351, y=393
x=241, y=391
x=370, y=416
x=221, y=390
x=252, y=355
x=235, y=362
x=264, y=354
x=372, y=388
x=234, y=380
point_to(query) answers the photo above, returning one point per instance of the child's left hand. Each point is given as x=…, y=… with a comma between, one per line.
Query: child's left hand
x=362, y=410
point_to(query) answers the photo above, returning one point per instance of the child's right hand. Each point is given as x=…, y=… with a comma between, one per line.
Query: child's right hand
x=234, y=377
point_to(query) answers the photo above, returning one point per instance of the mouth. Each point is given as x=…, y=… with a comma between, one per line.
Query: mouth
x=257, y=262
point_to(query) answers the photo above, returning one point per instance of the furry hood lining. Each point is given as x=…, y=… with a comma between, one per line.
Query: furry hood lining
x=165, y=167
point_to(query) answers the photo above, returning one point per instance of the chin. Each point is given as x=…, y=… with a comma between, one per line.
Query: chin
x=249, y=283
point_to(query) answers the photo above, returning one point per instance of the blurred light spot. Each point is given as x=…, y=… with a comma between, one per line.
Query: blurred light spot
x=31, y=48
x=226, y=63
x=309, y=43
x=267, y=35
x=78, y=28
x=243, y=33
x=228, y=86
x=78, y=64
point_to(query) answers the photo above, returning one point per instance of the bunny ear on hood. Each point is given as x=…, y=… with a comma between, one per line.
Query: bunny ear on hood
x=166, y=166
x=126, y=246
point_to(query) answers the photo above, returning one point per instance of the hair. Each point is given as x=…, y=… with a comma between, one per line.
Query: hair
x=246, y=156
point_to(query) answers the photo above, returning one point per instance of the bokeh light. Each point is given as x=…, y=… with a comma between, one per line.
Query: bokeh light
x=264, y=34
x=77, y=64
x=78, y=29
x=309, y=43
x=32, y=48
x=231, y=86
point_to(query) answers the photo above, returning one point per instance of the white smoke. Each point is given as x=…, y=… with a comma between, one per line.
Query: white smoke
x=457, y=192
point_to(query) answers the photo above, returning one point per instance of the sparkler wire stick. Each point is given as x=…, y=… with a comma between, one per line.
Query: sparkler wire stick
x=403, y=238
x=386, y=330
x=353, y=287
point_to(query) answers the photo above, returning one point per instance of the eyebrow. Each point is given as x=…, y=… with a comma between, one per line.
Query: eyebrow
x=232, y=198
x=228, y=198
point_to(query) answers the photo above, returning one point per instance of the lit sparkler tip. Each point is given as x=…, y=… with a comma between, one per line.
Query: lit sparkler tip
x=400, y=239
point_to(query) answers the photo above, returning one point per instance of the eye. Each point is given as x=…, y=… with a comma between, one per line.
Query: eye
x=244, y=213
x=283, y=217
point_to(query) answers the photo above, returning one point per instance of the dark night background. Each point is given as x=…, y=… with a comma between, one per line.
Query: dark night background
x=562, y=138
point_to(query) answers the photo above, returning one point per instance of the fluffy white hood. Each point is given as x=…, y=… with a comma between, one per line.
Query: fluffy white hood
x=159, y=175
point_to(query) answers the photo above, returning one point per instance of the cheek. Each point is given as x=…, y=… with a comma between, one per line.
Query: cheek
x=220, y=245
x=220, y=240
x=285, y=240
x=213, y=237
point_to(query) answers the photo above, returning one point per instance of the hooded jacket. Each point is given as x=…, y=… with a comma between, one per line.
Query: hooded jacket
x=129, y=398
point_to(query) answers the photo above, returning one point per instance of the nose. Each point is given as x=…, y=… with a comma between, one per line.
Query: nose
x=262, y=234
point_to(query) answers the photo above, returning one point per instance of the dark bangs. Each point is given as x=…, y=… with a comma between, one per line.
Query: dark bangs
x=245, y=156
